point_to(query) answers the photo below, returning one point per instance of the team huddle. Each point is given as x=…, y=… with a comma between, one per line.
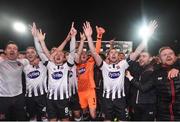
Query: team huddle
x=64, y=85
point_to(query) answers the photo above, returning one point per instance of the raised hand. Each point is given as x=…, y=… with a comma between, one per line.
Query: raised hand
x=87, y=29
x=173, y=73
x=41, y=36
x=128, y=75
x=33, y=29
x=82, y=36
x=73, y=31
x=152, y=26
x=100, y=31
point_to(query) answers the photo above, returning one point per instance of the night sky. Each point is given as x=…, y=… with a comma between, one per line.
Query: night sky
x=120, y=18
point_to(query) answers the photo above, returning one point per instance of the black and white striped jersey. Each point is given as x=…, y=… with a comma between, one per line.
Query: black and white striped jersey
x=36, y=79
x=58, y=88
x=11, y=77
x=113, y=79
x=72, y=81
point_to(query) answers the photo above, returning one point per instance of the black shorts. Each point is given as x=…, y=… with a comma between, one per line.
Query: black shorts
x=35, y=105
x=12, y=108
x=58, y=109
x=74, y=102
x=115, y=109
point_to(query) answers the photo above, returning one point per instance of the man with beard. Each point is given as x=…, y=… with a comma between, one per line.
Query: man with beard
x=143, y=102
x=166, y=82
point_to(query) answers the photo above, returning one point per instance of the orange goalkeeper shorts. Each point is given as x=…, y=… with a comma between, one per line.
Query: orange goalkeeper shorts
x=87, y=98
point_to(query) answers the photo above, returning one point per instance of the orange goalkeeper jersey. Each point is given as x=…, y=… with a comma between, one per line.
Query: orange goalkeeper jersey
x=86, y=71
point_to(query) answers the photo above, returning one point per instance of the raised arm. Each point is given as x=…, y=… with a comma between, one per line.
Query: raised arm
x=80, y=48
x=100, y=31
x=88, y=32
x=41, y=38
x=62, y=45
x=152, y=26
x=73, y=33
x=39, y=50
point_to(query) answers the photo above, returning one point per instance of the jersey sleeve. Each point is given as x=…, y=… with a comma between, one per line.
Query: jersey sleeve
x=24, y=62
x=73, y=44
x=70, y=61
x=98, y=45
x=40, y=51
x=103, y=65
x=45, y=63
x=124, y=64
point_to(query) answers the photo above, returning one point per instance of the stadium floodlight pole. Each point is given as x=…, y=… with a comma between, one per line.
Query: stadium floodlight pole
x=20, y=27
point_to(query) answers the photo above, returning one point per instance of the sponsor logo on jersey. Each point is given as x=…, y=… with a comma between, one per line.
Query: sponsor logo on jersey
x=118, y=67
x=19, y=64
x=33, y=74
x=57, y=75
x=82, y=70
x=114, y=75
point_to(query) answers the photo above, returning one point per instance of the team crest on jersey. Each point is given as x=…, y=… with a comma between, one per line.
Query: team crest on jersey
x=114, y=75
x=118, y=67
x=82, y=70
x=61, y=67
x=33, y=74
x=19, y=64
x=37, y=67
x=70, y=74
x=57, y=75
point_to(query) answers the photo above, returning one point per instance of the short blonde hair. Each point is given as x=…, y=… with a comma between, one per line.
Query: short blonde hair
x=164, y=48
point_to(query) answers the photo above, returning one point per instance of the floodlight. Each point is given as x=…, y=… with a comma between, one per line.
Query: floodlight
x=19, y=27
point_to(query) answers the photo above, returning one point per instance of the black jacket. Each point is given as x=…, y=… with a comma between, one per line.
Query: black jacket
x=142, y=75
x=167, y=92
